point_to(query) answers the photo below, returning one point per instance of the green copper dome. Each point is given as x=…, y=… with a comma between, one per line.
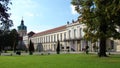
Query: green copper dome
x=22, y=26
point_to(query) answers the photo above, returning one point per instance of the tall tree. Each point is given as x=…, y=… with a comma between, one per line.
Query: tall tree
x=14, y=39
x=101, y=18
x=1, y=40
x=58, y=47
x=31, y=47
x=5, y=22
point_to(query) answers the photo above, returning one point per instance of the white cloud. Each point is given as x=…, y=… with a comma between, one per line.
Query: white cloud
x=29, y=4
x=24, y=3
x=73, y=11
x=32, y=14
x=29, y=14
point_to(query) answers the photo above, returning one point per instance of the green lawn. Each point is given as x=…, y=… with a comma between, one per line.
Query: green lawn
x=60, y=61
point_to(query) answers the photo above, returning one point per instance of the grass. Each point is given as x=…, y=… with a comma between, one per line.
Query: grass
x=60, y=61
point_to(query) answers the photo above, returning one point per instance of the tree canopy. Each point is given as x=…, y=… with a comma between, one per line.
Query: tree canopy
x=101, y=18
x=99, y=12
x=5, y=24
x=14, y=38
x=5, y=21
x=9, y=40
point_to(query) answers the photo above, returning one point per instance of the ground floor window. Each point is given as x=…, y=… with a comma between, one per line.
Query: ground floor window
x=112, y=44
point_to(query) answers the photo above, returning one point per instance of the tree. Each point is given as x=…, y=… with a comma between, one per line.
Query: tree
x=9, y=40
x=4, y=15
x=1, y=41
x=31, y=48
x=6, y=41
x=5, y=22
x=58, y=47
x=14, y=39
x=101, y=18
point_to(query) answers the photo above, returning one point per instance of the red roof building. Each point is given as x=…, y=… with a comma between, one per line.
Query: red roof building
x=58, y=29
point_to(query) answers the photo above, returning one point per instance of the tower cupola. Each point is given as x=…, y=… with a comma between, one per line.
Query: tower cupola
x=22, y=29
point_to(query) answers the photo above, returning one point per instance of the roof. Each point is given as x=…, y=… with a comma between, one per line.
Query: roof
x=31, y=33
x=57, y=29
x=22, y=26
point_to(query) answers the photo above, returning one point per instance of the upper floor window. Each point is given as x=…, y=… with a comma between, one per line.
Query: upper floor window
x=45, y=38
x=57, y=36
x=80, y=32
x=69, y=33
x=54, y=38
x=65, y=35
x=38, y=40
x=75, y=33
x=51, y=38
x=61, y=36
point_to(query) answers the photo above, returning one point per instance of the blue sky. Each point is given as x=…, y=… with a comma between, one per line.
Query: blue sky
x=40, y=15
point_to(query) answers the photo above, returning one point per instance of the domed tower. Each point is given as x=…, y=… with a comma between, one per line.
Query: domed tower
x=22, y=29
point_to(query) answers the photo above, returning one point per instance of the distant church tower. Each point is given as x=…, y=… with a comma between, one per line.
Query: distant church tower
x=22, y=29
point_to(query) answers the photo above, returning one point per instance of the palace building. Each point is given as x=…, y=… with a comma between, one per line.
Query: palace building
x=70, y=37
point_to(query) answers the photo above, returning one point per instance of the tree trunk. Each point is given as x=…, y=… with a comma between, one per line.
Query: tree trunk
x=14, y=47
x=102, y=48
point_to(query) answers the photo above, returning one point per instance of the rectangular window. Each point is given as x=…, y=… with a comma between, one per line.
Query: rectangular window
x=112, y=44
x=57, y=36
x=54, y=38
x=69, y=34
x=51, y=38
x=75, y=33
x=80, y=32
x=45, y=39
x=65, y=36
x=61, y=36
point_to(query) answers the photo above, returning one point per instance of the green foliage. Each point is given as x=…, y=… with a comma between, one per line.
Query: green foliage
x=4, y=15
x=9, y=39
x=31, y=47
x=5, y=23
x=100, y=16
x=14, y=38
x=58, y=47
